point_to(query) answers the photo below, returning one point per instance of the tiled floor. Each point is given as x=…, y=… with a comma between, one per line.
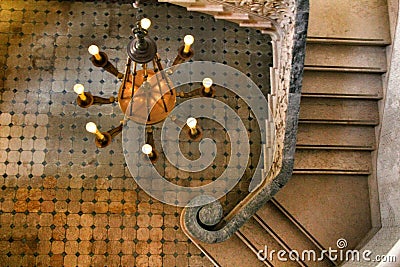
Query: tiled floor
x=63, y=202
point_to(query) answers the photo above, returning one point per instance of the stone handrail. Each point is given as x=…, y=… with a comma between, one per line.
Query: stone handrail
x=289, y=20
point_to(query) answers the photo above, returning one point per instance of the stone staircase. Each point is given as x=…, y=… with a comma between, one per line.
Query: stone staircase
x=332, y=193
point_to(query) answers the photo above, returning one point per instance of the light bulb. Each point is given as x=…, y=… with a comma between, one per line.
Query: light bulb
x=94, y=50
x=91, y=127
x=188, y=40
x=147, y=149
x=145, y=23
x=191, y=122
x=207, y=82
x=79, y=89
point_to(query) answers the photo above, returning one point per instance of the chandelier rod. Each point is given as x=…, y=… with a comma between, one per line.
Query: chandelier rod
x=165, y=78
x=133, y=79
x=126, y=76
x=159, y=86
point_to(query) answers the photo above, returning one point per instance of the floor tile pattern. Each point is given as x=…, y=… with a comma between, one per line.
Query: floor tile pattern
x=63, y=202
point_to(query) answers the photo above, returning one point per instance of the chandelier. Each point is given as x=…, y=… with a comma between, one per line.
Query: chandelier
x=136, y=95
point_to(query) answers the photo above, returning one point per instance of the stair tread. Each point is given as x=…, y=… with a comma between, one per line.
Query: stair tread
x=256, y=24
x=346, y=40
x=288, y=232
x=347, y=56
x=231, y=253
x=206, y=8
x=369, y=19
x=342, y=83
x=332, y=147
x=178, y=1
x=347, y=96
x=330, y=172
x=317, y=201
x=332, y=160
x=339, y=110
x=345, y=136
x=232, y=16
x=259, y=238
x=343, y=69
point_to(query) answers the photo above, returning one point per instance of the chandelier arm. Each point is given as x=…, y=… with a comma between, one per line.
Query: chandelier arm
x=177, y=121
x=106, y=65
x=195, y=135
x=89, y=99
x=108, y=136
x=149, y=136
x=181, y=57
x=195, y=92
x=211, y=92
x=150, y=140
x=97, y=100
x=94, y=100
x=115, y=131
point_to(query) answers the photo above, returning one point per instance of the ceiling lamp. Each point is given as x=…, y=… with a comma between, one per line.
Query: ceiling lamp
x=154, y=99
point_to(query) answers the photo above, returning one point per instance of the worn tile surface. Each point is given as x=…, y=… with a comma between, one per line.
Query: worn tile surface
x=63, y=202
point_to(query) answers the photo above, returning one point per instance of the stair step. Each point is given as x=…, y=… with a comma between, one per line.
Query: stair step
x=348, y=96
x=329, y=206
x=256, y=24
x=233, y=16
x=360, y=85
x=254, y=247
x=182, y=3
x=352, y=41
x=333, y=136
x=206, y=8
x=339, y=111
x=343, y=19
x=343, y=69
x=330, y=172
x=231, y=252
x=258, y=237
x=178, y=2
x=315, y=147
x=288, y=232
x=332, y=161
x=352, y=57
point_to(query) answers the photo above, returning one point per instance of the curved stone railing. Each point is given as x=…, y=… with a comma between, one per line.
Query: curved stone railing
x=289, y=20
